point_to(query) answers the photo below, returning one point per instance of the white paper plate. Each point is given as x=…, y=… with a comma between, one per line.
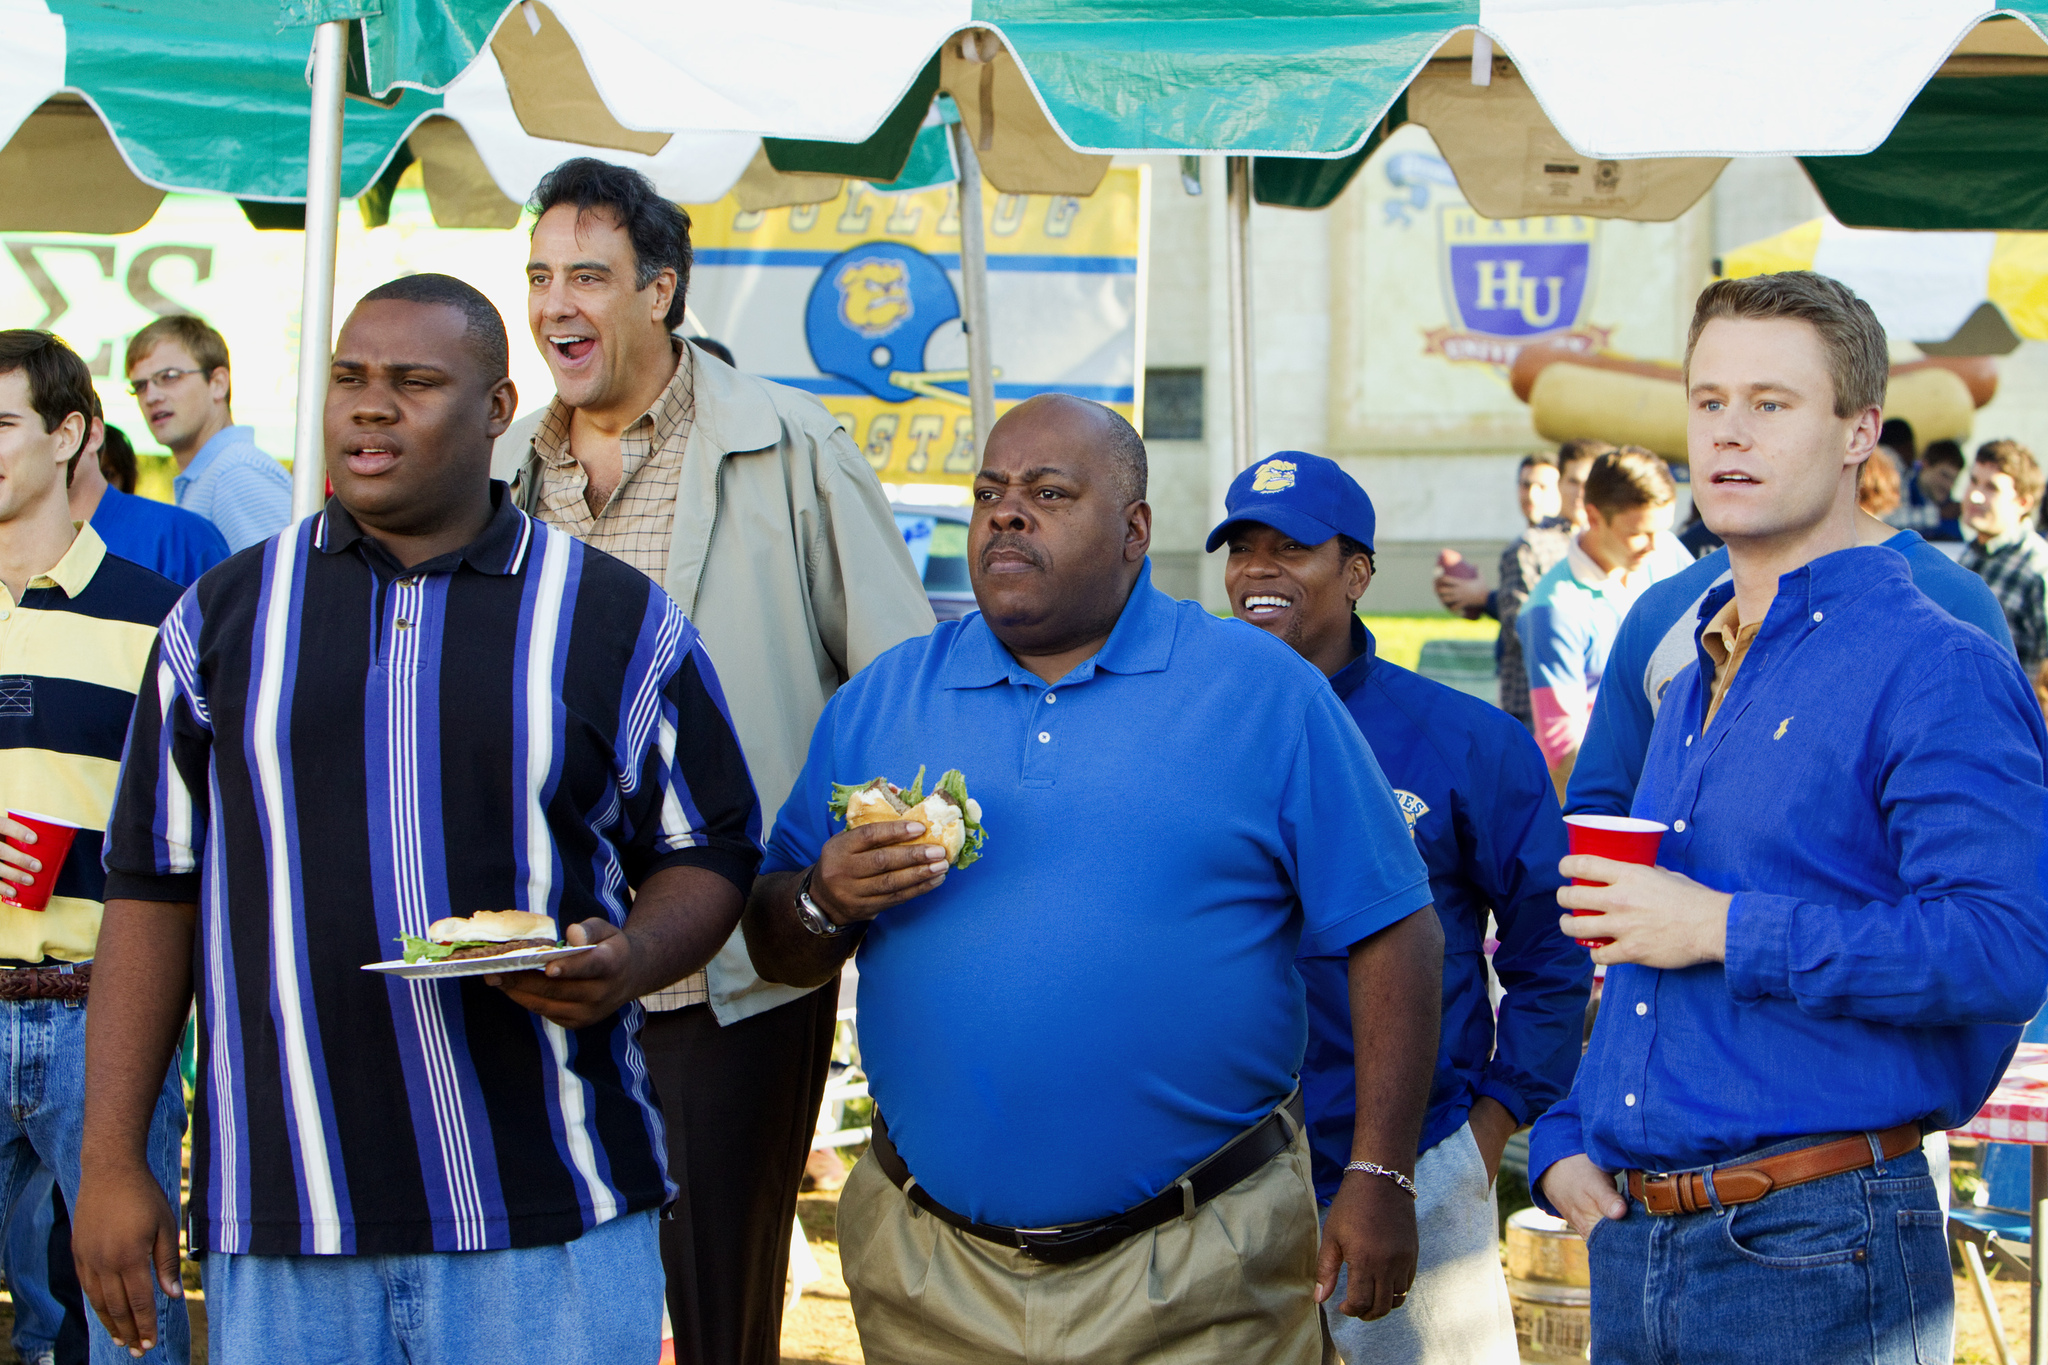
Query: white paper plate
x=529, y=960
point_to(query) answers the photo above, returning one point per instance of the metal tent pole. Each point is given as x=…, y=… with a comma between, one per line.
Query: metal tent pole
x=316, y=307
x=2037, y=1193
x=981, y=389
x=1243, y=396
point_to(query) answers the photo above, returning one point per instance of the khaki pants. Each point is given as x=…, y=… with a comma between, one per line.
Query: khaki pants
x=1234, y=1285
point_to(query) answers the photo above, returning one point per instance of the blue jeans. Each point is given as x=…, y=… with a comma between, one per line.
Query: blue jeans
x=595, y=1299
x=42, y=1119
x=49, y=1311
x=1852, y=1268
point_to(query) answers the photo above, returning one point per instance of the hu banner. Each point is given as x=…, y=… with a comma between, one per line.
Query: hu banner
x=857, y=300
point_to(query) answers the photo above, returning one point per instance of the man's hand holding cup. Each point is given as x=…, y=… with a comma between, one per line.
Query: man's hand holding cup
x=1650, y=915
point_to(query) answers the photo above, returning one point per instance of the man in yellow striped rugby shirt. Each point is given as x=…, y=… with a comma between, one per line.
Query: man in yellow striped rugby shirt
x=76, y=627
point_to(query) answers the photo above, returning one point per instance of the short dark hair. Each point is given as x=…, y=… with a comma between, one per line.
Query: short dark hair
x=59, y=383
x=1127, y=449
x=1625, y=479
x=1859, y=362
x=717, y=348
x=1537, y=457
x=484, y=330
x=2013, y=459
x=1347, y=547
x=1943, y=452
x=1897, y=433
x=117, y=459
x=1581, y=448
x=659, y=230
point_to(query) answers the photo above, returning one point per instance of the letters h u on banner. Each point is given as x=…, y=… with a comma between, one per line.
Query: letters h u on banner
x=1516, y=277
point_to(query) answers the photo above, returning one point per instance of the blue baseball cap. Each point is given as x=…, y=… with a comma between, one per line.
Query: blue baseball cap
x=1300, y=495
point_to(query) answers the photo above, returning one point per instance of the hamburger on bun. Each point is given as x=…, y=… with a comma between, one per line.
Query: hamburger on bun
x=487, y=933
x=952, y=818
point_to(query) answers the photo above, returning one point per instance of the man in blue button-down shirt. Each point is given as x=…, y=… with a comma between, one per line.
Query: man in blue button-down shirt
x=1480, y=806
x=1846, y=931
x=1060, y=1036
x=178, y=372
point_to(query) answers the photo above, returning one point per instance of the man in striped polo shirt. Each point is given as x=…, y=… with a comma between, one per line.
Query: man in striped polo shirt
x=419, y=703
x=76, y=627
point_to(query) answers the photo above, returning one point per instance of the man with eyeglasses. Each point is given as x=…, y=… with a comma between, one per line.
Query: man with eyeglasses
x=178, y=371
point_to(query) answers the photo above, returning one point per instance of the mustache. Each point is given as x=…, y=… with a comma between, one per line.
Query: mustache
x=1011, y=540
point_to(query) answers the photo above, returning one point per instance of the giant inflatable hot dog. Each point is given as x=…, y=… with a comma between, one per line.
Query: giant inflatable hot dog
x=1574, y=394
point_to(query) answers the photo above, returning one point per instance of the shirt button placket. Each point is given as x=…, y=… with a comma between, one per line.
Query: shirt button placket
x=1038, y=742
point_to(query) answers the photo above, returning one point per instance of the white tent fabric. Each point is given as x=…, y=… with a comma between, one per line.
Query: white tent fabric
x=1920, y=284
x=1620, y=79
x=776, y=68
x=691, y=168
x=31, y=61
x=1637, y=78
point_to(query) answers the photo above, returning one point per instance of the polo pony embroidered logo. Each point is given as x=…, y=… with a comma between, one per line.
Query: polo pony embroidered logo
x=1412, y=808
x=1781, y=728
x=1274, y=476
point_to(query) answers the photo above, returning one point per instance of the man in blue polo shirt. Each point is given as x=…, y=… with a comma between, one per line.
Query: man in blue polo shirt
x=1479, y=803
x=1845, y=931
x=1082, y=1047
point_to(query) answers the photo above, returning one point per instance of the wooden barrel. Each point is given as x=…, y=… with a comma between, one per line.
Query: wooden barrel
x=1548, y=1287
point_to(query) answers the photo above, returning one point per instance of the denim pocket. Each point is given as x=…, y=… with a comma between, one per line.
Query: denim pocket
x=1930, y=1292
x=1799, y=1228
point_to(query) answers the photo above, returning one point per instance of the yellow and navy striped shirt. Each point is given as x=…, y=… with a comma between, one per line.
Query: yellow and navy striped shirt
x=72, y=653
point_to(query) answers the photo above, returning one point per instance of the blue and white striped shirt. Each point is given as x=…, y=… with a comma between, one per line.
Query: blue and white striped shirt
x=331, y=750
x=245, y=493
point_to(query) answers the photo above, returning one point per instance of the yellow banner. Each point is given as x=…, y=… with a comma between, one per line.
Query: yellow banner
x=857, y=301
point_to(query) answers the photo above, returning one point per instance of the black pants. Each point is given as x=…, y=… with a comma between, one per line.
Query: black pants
x=741, y=1104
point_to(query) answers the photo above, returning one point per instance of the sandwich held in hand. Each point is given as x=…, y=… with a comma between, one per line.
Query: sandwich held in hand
x=951, y=818
x=487, y=933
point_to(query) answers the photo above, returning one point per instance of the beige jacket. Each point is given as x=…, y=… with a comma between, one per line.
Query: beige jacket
x=787, y=558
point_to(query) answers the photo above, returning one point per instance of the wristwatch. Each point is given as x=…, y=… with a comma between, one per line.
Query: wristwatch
x=808, y=913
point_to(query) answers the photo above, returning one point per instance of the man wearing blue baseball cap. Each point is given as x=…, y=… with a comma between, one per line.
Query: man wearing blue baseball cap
x=1479, y=804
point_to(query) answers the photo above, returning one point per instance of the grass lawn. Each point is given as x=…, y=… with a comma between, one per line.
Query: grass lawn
x=1401, y=637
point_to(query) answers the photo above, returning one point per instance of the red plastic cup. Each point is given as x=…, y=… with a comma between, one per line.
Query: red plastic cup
x=53, y=842
x=1620, y=837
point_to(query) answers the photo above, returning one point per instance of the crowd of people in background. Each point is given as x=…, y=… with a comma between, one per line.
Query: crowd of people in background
x=1988, y=517
x=1214, y=1056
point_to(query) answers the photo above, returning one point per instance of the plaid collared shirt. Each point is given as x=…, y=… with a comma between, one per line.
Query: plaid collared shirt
x=2015, y=568
x=1527, y=558
x=635, y=524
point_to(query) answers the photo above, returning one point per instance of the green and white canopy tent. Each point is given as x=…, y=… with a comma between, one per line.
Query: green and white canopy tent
x=1906, y=113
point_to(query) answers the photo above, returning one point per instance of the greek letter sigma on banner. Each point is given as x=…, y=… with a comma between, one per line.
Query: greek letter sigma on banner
x=857, y=300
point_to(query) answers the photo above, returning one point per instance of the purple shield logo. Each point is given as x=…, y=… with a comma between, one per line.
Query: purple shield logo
x=1518, y=277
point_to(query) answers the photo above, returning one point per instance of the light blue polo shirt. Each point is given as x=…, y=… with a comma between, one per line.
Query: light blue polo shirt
x=245, y=493
x=1109, y=995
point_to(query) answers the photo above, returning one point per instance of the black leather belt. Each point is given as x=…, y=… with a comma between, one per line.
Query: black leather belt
x=1247, y=1152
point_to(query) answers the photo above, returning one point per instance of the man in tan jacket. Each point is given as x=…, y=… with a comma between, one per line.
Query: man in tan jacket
x=748, y=503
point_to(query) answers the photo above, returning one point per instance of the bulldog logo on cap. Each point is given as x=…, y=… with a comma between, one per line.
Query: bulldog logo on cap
x=1274, y=476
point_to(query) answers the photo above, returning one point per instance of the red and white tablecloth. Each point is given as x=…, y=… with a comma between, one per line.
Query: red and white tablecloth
x=2018, y=1109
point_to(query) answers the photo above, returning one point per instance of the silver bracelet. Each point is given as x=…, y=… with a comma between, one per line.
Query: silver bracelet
x=1374, y=1168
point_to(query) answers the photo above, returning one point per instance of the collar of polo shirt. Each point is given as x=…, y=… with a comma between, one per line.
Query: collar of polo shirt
x=1141, y=643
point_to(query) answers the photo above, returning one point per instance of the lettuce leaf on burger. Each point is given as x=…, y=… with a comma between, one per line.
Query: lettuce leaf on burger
x=952, y=818
x=487, y=933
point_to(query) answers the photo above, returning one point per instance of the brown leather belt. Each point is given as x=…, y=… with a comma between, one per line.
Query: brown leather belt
x=46, y=983
x=1748, y=1181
